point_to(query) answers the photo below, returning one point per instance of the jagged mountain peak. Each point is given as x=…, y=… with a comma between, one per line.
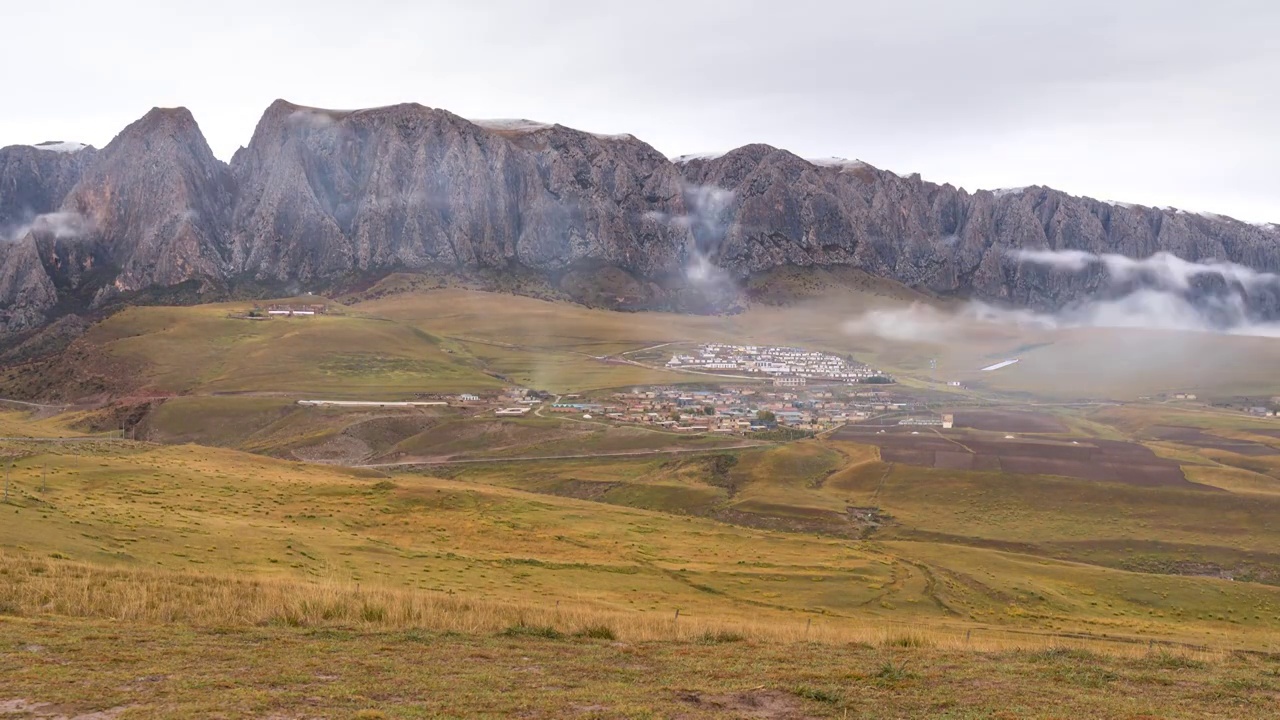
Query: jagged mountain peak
x=170, y=116
x=156, y=205
x=161, y=130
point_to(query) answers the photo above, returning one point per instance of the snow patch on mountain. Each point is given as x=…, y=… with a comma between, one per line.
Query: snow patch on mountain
x=836, y=162
x=1001, y=192
x=510, y=124
x=682, y=159
x=60, y=146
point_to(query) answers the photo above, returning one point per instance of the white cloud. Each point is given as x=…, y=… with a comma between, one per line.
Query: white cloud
x=1070, y=260
x=928, y=324
x=61, y=225
x=707, y=222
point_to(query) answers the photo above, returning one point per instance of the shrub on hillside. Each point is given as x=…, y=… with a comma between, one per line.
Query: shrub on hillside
x=597, y=632
x=720, y=637
x=539, y=631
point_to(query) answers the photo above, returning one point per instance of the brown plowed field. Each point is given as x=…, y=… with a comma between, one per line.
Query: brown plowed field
x=1196, y=437
x=1087, y=459
x=1009, y=421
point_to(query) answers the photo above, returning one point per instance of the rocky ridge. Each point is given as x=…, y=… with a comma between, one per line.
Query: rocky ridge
x=318, y=196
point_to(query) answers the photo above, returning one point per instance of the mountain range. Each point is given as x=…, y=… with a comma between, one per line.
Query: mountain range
x=319, y=198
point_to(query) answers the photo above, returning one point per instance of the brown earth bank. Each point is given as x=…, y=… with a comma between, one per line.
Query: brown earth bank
x=1085, y=458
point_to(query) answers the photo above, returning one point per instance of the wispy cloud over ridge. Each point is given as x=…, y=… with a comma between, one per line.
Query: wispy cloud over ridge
x=1166, y=268
x=1156, y=292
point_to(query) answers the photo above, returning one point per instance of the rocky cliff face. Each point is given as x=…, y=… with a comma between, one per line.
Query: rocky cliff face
x=318, y=195
x=323, y=193
x=34, y=179
x=786, y=210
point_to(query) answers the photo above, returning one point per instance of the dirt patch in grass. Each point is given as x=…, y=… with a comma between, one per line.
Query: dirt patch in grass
x=1009, y=421
x=1196, y=437
x=787, y=519
x=583, y=489
x=339, y=450
x=763, y=704
x=28, y=709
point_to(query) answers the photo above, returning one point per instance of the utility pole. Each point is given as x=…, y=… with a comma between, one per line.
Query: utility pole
x=6, y=483
x=44, y=479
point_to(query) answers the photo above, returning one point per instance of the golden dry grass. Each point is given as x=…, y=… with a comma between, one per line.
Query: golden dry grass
x=43, y=587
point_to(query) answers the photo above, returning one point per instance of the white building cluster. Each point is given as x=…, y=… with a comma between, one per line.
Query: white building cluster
x=776, y=362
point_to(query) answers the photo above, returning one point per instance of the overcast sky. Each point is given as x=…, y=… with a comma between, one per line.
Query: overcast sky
x=1170, y=102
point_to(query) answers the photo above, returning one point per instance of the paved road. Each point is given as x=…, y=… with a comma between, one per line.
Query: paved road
x=39, y=406
x=583, y=456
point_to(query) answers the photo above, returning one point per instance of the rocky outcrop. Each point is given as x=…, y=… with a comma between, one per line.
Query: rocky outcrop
x=321, y=195
x=27, y=294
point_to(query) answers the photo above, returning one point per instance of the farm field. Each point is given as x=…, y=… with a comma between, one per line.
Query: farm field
x=1087, y=458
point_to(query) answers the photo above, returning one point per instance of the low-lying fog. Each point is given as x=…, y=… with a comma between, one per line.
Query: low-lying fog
x=1160, y=292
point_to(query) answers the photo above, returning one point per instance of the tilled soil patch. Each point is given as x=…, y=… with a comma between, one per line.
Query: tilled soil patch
x=1196, y=437
x=1009, y=421
x=1086, y=458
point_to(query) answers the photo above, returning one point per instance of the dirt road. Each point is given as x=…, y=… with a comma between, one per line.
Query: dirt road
x=582, y=456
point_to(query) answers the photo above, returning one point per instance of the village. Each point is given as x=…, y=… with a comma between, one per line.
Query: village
x=784, y=388
x=794, y=389
x=730, y=409
x=788, y=366
x=743, y=409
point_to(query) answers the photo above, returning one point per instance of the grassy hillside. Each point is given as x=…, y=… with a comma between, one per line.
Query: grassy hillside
x=244, y=586
x=204, y=350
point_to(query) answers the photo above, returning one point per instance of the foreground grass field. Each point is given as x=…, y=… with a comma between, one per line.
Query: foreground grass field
x=142, y=670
